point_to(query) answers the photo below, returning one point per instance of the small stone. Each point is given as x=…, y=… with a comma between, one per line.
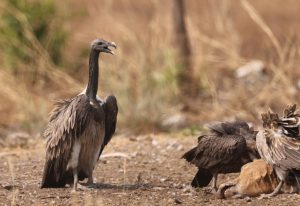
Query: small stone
x=177, y=201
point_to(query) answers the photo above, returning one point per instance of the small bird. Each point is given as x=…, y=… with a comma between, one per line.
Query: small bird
x=79, y=128
x=229, y=146
x=278, y=143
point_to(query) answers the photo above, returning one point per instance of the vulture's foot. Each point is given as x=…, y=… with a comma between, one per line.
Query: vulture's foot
x=82, y=187
x=74, y=191
x=91, y=185
x=265, y=196
x=210, y=190
x=275, y=192
x=294, y=189
x=222, y=188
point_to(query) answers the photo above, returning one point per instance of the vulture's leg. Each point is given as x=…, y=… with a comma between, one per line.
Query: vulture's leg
x=294, y=189
x=275, y=192
x=214, y=182
x=214, y=188
x=90, y=180
x=75, y=174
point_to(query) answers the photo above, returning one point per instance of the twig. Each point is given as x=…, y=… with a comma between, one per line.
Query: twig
x=259, y=21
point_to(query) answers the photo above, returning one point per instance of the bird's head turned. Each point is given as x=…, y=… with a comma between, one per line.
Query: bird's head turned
x=101, y=45
x=246, y=131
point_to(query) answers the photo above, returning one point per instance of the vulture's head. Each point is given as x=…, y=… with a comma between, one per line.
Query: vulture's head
x=101, y=45
x=250, y=136
x=243, y=128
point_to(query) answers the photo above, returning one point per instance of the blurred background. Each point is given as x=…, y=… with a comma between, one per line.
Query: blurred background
x=179, y=63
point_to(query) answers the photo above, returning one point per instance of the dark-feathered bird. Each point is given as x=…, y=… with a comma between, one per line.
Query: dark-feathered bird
x=279, y=144
x=79, y=129
x=229, y=146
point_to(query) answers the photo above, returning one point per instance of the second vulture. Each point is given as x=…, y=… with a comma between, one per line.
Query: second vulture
x=79, y=129
x=279, y=145
x=229, y=146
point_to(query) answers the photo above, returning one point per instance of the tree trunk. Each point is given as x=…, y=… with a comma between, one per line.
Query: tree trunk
x=187, y=83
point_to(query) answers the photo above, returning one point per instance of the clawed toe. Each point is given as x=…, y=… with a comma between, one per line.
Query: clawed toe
x=264, y=196
x=210, y=190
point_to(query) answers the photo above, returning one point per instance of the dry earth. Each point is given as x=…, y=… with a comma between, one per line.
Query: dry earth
x=151, y=174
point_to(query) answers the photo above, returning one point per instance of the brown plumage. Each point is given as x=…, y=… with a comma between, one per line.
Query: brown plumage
x=78, y=130
x=278, y=143
x=229, y=146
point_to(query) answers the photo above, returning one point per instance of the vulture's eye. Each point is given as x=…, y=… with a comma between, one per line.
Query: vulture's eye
x=100, y=43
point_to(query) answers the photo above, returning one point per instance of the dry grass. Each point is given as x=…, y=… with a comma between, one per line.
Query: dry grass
x=224, y=35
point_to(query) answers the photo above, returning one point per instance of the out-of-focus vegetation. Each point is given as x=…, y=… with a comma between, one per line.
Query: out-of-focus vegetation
x=40, y=62
x=26, y=26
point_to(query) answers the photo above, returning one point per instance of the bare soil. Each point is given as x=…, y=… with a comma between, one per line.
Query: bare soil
x=143, y=170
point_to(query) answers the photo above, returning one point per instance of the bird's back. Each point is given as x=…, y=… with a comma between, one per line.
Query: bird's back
x=217, y=152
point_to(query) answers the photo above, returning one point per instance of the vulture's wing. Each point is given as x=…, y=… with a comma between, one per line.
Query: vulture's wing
x=67, y=122
x=217, y=128
x=278, y=149
x=111, y=112
x=228, y=128
x=213, y=150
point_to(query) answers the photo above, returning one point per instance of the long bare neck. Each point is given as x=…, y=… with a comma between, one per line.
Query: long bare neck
x=92, y=86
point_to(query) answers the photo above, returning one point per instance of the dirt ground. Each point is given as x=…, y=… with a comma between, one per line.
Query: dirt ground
x=143, y=170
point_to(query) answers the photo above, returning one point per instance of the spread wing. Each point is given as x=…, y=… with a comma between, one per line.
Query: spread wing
x=213, y=150
x=111, y=111
x=278, y=149
x=67, y=123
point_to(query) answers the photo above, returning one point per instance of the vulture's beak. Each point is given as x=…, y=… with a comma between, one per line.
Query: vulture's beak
x=108, y=49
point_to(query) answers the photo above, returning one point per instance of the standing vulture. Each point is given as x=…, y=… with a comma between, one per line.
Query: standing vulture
x=279, y=145
x=229, y=146
x=79, y=128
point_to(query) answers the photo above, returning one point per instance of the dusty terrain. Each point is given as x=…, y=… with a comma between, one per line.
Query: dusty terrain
x=143, y=170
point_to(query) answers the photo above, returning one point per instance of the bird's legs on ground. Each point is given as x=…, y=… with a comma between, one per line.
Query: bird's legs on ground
x=214, y=188
x=294, y=189
x=77, y=186
x=275, y=192
x=214, y=183
x=90, y=182
x=222, y=188
x=75, y=174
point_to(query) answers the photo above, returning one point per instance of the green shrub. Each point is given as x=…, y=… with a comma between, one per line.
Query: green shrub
x=26, y=28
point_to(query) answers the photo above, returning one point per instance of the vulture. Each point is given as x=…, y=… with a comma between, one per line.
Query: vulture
x=79, y=128
x=278, y=143
x=226, y=149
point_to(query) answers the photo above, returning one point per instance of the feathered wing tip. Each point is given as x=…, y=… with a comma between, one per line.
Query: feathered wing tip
x=202, y=178
x=289, y=122
x=190, y=155
x=50, y=179
x=268, y=118
x=289, y=111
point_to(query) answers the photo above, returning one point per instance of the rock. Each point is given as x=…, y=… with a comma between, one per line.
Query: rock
x=174, y=145
x=16, y=139
x=254, y=67
x=177, y=201
x=252, y=74
x=173, y=122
